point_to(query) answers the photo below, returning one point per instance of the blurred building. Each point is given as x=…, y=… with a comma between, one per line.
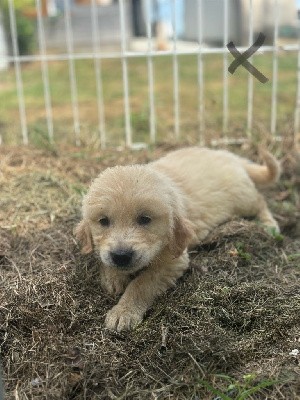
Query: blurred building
x=109, y=30
x=239, y=16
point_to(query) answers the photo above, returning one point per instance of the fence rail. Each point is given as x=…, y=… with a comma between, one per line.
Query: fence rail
x=125, y=54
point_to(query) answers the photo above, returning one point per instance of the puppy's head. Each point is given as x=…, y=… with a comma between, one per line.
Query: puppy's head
x=130, y=215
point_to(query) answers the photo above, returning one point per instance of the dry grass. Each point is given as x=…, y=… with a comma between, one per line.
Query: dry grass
x=235, y=313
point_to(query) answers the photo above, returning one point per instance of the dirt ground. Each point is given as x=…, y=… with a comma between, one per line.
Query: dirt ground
x=228, y=330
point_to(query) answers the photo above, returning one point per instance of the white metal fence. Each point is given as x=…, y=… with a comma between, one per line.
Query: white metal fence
x=125, y=54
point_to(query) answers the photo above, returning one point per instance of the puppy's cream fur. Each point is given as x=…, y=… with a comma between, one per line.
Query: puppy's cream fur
x=183, y=195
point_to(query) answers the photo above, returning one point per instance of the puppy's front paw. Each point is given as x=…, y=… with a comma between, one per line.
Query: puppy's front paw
x=121, y=319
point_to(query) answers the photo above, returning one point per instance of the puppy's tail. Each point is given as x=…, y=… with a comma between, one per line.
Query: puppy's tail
x=264, y=174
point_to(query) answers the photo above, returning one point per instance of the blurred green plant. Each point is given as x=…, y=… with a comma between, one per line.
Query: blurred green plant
x=274, y=233
x=38, y=136
x=238, y=389
x=20, y=4
x=240, y=247
x=25, y=26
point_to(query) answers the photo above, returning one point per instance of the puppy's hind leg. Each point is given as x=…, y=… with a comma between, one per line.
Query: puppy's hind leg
x=264, y=215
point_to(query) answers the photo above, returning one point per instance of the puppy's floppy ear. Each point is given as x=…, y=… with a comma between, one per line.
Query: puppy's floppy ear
x=83, y=234
x=181, y=235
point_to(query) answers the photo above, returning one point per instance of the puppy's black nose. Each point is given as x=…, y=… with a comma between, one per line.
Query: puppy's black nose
x=121, y=257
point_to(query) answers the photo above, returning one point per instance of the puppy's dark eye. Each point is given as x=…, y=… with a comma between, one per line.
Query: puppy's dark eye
x=143, y=220
x=104, y=221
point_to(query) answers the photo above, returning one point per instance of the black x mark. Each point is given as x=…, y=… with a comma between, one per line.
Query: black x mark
x=241, y=59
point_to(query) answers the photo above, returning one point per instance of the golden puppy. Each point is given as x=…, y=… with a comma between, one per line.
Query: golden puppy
x=141, y=219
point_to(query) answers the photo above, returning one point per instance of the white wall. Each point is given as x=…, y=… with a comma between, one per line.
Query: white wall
x=3, y=46
x=263, y=19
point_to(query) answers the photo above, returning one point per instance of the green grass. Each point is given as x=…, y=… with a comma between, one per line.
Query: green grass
x=237, y=389
x=139, y=98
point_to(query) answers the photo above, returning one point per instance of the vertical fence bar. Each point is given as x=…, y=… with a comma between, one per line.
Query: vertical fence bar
x=150, y=78
x=128, y=130
x=297, y=109
x=98, y=74
x=2, y=395
x=200, y=75
x=73, y=83
x=275, y=69
x=18, y=73
x=250, y=76
x=175, y=75
x=225, y=70
x=45, y=71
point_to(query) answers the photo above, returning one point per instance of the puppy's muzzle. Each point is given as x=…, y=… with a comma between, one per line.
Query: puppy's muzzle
x=122, y=257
